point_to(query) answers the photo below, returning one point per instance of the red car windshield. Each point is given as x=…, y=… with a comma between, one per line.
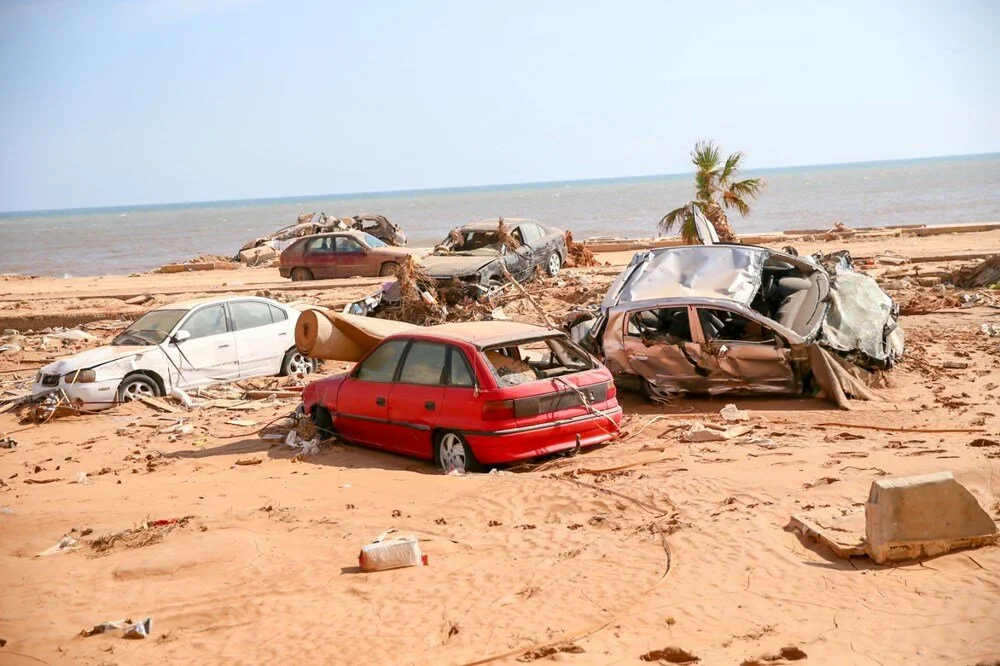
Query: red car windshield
x=531, y=360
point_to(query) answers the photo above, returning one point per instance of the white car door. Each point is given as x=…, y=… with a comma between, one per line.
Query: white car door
x=262, y=337
x=209, y=354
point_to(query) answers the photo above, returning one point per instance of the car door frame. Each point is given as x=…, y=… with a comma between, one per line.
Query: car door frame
x=176, y=363
x=321, y=266
x=377, y=433
x=738, y=365
x=660, y=365
x=266, y=364
x=343, y=269
x=413, y=428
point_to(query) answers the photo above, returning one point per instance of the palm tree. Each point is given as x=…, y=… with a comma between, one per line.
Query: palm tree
x=716, y=189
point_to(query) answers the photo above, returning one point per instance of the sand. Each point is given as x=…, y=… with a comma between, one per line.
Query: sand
x=685, y=547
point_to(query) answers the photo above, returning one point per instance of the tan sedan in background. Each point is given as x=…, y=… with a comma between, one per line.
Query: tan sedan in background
x=340, y=254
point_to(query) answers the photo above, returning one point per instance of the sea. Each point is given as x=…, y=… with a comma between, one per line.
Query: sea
x=127, y=239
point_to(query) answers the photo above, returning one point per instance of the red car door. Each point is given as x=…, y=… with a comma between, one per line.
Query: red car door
x=417, y=398
x=351, y=259
x=319, y=257
x=362, y=413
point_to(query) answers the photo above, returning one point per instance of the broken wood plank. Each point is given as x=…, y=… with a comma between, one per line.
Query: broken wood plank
x=156, y=403
x=278, y=393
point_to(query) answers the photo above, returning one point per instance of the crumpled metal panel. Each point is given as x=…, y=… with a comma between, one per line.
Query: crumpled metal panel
x=712, y=271
x=860, y=314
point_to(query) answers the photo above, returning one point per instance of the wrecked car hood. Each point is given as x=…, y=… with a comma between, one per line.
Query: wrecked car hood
x=711, y=271
x=95, y=357
x=456, y=264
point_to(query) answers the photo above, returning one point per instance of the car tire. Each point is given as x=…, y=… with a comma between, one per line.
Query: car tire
x=324, y=422
x=452, y=452
x=137, y=386
x=388, y=269
x=297, y=364
x=301, y=275
x=553, y=264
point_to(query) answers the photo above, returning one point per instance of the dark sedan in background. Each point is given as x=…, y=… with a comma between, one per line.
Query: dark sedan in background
x=475, y=253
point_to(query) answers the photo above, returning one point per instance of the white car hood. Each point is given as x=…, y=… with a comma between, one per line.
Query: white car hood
x=93, y=357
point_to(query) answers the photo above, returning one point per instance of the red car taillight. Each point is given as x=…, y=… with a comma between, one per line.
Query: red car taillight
x=612, y=391
x=498, y=410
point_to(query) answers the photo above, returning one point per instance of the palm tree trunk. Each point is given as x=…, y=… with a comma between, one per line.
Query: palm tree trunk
x=718, y=218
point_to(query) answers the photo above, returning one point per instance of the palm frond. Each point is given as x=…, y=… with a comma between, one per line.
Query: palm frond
x=731, y=200
x=732, y=168
x=675, y=217
x=749, y=188
x=706, y=156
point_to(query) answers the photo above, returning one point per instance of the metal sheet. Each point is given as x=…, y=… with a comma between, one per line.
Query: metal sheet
x=709, y=271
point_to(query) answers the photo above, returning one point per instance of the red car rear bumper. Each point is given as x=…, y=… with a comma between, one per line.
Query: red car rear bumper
x=521, y=443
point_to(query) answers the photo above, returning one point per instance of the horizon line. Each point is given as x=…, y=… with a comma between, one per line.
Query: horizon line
x=466, y=188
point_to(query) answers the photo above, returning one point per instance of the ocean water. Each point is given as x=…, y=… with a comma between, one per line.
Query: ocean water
x=129, y=239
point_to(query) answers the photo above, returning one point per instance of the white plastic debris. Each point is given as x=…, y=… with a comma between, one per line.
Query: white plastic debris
x=731, y=413
x=382, y=554
x=992, y=330
x=9, y=348
x=81, y=478
x=183, y=397
x=73, y=335
x=699, y=432
x=292, y=439
x=67, y=543
x=140, y=629
x=763, y=442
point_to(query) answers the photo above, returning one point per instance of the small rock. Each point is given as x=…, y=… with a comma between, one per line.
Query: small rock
x=928, y=281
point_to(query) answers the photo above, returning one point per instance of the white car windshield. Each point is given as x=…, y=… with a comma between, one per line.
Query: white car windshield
x=373, y=242
x=151, y=329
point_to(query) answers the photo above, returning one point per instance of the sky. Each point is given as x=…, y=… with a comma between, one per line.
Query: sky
x=152, y=101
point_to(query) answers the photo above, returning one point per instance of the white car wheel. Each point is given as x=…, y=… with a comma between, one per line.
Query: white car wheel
x=298, y=365
x=135, y=387
x=554, y=264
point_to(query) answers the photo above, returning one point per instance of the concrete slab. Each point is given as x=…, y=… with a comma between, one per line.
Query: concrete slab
x=923, y=516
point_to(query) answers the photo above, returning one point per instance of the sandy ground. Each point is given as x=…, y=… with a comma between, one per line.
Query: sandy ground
x=679, y=545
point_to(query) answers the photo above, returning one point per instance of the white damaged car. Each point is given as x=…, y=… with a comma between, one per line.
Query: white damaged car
x=182, y=345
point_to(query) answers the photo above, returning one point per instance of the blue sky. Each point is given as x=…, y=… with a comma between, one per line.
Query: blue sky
x=147, y=101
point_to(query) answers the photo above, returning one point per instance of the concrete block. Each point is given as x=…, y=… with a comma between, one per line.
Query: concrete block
x=923, y=516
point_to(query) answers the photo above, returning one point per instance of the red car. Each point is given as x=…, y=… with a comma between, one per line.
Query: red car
x=469, y=394
x=340, y=254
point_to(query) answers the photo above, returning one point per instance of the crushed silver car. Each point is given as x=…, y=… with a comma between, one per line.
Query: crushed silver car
x=721, y=318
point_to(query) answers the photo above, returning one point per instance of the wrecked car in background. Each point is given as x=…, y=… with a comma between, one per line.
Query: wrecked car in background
x=468, y=394
x=266, y=248
x=340, y=254
x=717, y=318
x=181, y=346
x=379, y=227
x=477, y=253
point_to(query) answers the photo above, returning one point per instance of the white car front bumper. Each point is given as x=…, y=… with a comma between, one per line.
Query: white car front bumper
x=90, y=396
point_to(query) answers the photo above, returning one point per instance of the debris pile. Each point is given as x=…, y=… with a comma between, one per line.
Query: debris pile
x=983, y=274
x=579, y=255
x=264, y=250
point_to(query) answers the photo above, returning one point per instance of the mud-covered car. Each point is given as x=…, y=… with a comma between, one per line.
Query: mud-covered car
x=341, y=254
x=719, y=318
x=475, y=252
x=379, y=227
